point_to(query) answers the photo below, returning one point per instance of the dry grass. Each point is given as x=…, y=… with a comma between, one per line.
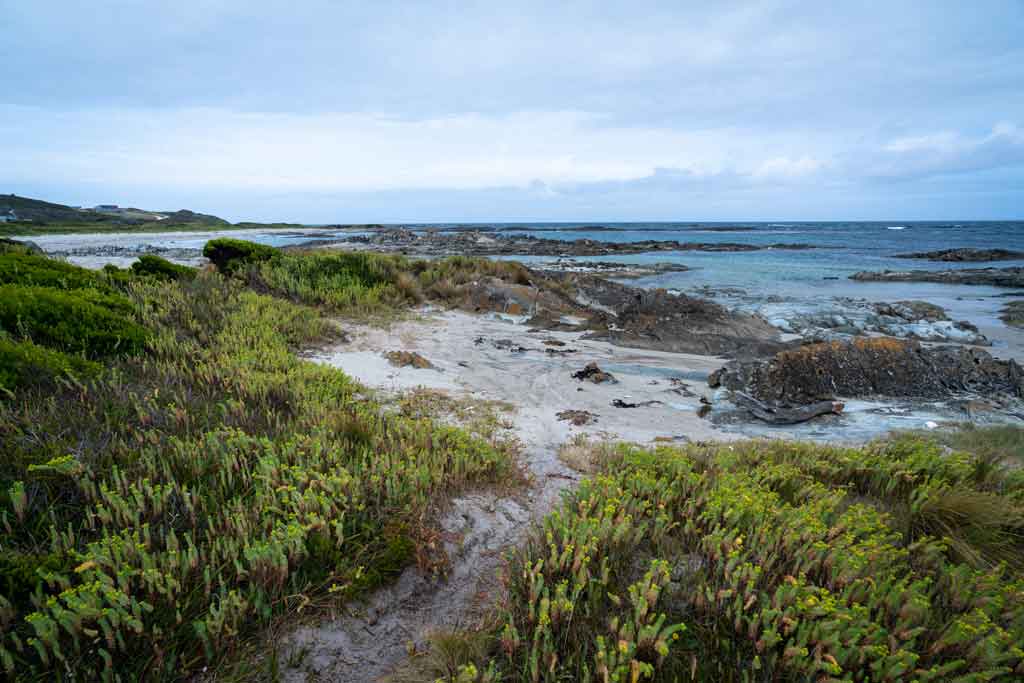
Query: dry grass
x=585, y=454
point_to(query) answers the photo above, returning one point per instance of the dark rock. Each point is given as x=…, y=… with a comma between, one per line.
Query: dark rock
x=912, y=311
x=490, y=243
x=592, y=373
x=657, y=319
x=1013, y=314
x=870, y=367
x=995, y=277
x=966, y=254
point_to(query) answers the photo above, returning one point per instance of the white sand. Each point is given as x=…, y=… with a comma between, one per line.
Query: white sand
x=366, y=641
x=539, y=384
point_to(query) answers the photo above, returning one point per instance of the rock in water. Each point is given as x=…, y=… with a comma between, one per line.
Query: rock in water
x=870, y=367
x=967, y=254
x=1013, y=314
x=995, y=277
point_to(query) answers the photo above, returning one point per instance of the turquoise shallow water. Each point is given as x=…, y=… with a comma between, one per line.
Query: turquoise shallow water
x=804, y=279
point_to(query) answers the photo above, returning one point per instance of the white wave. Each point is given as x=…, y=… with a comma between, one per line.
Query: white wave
x=897, y=227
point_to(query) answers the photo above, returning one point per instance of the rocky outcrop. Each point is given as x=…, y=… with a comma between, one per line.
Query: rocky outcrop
x=855, y=317
x=1013, y=314
x=967, y=254
x=871, y=367
x=622, y=271
x=480, y=243
x=660, y=320
x=995, y=277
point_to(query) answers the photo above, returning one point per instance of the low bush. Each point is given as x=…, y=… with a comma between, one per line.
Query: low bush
x=232, y=255
x=361, y=283
x=83, y=322
x=23, y=364
x=8, y=246
x=769, y=561
x=160, y=268
x=345, y=282
x=40, y=271
x=159, y=513
x=998, y=443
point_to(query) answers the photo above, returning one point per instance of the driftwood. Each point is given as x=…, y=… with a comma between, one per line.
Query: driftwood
x=619, y=403
x=785, y=415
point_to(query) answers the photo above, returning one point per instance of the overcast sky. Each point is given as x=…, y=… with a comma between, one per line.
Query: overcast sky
x=321, y=111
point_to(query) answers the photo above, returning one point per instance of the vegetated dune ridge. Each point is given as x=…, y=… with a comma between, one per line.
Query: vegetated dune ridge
x=248, y=485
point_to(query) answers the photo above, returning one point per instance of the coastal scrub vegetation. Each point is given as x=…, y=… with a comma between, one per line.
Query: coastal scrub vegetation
x=766, y=561
x=165, y=494
x=358, y=283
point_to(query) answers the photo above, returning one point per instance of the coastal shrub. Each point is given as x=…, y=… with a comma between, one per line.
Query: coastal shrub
x=361, y=283
x=997, y=442
x=41, y=271
x=231, y=255
x=157, y=515
x=8, y=246
x=78, y=322
x=767, y=561
x=162, y=269
x=345, y=282
x=23, y=364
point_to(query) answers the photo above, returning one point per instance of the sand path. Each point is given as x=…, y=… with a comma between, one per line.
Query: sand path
x=369, y=640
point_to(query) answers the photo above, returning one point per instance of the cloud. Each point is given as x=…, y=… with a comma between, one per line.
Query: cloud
x=949, y=152
x=638, y=108
x=207, y=147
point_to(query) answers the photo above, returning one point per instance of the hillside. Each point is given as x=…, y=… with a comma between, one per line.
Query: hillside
x=40, y=212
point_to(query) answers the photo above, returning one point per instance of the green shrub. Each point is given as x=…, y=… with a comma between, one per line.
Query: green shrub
x=190, y=495
x=79, y=322
x=23, y=363
x=40, y=271
x=162, y=269
x=231, y=255
x=8, y=246
x=345, y=282
x=769, y=561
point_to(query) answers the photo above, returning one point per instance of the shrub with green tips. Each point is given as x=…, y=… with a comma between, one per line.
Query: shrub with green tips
x=231, y=255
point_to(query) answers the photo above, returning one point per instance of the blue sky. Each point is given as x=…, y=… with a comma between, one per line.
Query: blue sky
x=321, y=111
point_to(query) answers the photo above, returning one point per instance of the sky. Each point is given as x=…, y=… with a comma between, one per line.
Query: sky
x=326, y=111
